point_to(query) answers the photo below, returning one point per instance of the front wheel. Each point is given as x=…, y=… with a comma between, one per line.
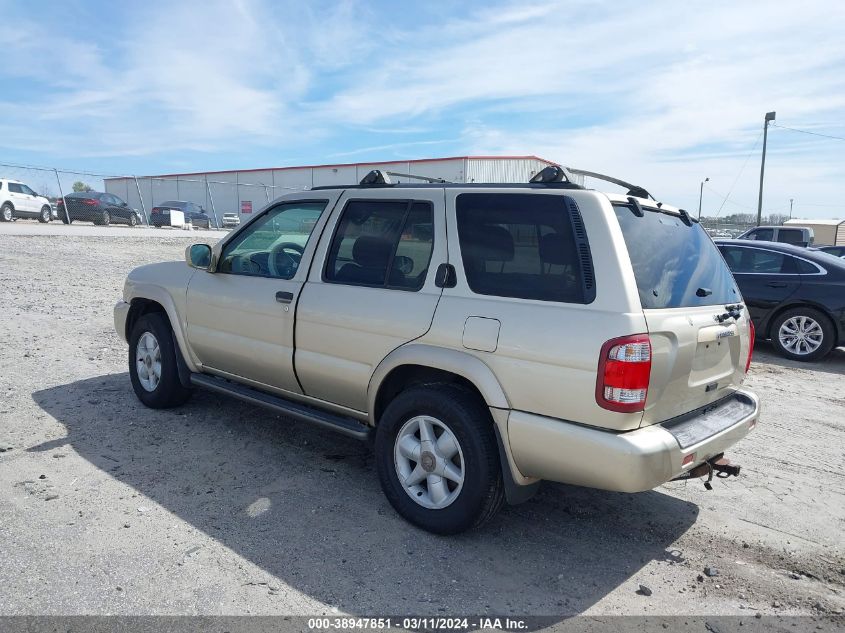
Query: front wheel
x=437, y=459
x=44, y=217
x=133, y=220
x=152, y=363
x=803, y=334
x=106, y=219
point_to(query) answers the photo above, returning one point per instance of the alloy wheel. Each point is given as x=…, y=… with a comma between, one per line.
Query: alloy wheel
x=429, y=462
x=148, y=361
x=801, y=335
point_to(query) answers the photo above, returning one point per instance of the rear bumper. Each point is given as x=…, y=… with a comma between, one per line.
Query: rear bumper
x=121, y=311
x=634, y=461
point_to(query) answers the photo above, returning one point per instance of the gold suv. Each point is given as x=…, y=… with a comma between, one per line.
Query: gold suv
x=485, y=336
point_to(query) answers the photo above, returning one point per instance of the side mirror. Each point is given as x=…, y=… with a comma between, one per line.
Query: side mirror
x=198, y=256
x=404, y=265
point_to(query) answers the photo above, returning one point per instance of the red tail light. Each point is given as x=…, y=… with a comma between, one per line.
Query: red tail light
x=623, y=375
x=59, y=202
x=752, y=333
x=91, y=202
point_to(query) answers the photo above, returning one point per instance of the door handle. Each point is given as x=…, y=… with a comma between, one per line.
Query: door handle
x=284, y=297
x=776, y=284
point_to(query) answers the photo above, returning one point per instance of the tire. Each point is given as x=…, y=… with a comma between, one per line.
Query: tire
x=166, y=391
x=45, y=215
x=7, y=213
x=446, y=409
x=133, y=221
x=106, y=219
x=814, y=330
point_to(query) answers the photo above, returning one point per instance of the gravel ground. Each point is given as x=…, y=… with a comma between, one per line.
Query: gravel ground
x=221, y=508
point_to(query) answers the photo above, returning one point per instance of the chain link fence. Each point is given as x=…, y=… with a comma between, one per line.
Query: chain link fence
x=128, y=197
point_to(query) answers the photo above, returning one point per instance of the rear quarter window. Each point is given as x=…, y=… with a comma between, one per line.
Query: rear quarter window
x=675, y=265
x=525, y=246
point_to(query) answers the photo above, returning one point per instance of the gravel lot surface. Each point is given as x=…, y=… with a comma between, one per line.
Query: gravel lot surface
x=221, y=508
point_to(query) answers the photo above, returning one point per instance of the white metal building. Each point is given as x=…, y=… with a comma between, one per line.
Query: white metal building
x=247, y=190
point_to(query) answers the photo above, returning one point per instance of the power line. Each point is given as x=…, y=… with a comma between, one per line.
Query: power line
x=742, y=169
x=783, y=127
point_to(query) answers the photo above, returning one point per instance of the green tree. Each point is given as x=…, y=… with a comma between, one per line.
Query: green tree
x=81, y=186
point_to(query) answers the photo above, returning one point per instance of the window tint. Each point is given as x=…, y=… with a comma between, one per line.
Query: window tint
x=791, y=236
x=520, y=245
x=766, y=235
x=118, y=201
x=805, y=268
x=272, y=245
x=15, y=187
x=27, y=190
x=757, y=260
x=671, y=261
x=382, y=243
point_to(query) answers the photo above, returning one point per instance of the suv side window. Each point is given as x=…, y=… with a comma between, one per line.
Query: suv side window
x=522, y=246
x=272, y=246
x=767, y=235
x=25, y=189
x=15, y=187
x=791, y=236
x=384, y=243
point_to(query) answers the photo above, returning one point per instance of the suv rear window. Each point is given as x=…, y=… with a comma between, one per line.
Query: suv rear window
x=524, y=246
x=673, y=261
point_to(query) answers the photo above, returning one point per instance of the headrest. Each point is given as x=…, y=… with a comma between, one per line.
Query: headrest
x=489, y=242
x=553, y=249
x=370, y=251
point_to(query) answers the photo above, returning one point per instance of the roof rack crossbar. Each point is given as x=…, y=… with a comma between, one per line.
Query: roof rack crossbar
x=633, y=190
x=424, y=178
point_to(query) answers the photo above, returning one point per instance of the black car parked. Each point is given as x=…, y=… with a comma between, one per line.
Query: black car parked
x=796, y=296
x=160, y=214
x=97, y=207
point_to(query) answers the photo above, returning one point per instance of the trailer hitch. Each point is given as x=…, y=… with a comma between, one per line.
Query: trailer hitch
x=717, y=464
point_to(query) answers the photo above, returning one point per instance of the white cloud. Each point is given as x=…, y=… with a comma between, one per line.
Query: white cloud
x=664, y=93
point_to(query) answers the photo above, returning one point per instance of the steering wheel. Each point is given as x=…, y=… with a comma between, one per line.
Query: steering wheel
x=289, y=261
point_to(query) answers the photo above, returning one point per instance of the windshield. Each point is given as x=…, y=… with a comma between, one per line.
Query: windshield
x=676, y=266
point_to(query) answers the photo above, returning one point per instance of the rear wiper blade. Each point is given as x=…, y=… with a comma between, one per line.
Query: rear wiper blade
x=733, y=312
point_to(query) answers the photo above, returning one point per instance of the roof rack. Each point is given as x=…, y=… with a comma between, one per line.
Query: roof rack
x=381, y=177
x=633, y=190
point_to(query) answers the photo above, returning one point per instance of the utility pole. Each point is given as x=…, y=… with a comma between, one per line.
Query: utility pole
x=770, y=116
x=790, y=208
x=700, y=196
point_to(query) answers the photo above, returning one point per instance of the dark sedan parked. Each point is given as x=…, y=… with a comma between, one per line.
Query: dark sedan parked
x=838, y=251
x=796, y=296
x=160, y=215
x=94, y=206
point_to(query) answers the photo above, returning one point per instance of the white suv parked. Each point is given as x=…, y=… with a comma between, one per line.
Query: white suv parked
x=19, y=201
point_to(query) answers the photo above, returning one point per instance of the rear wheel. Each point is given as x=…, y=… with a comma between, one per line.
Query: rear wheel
x=152, y=363
x=105, y=220
x=7, y=213
x=803, y=334
x=437, y=459
x=44, y=217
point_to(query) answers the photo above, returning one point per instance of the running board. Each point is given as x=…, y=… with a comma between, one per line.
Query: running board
x=295, y=410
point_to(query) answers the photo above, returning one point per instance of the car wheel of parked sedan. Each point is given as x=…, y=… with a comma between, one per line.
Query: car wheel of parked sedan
x=133, y=220
x=437, y=459
x=106, y=219
x=803, y=334
x=152, y=363
x=7, y=213
x=45, y=214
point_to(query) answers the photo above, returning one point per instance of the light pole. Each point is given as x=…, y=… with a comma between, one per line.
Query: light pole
x=700, y=196
x=790, y=208
x=770, y=116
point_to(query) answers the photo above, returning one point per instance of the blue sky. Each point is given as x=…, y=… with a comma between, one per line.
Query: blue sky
x=660, y=93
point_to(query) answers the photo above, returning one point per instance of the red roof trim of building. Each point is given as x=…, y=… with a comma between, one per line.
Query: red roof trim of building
x=337, y=165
